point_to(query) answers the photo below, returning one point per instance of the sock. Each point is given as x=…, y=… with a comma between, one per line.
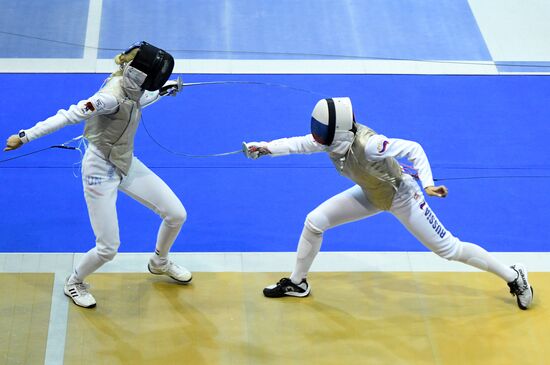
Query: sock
x=159, y=260
x=476, y=256
x=74, y=279
x=308, y=247
x=89, y=264
x=165, y=239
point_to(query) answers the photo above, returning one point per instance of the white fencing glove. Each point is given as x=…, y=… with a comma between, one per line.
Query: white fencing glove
x=171, y=87
x=255, y=150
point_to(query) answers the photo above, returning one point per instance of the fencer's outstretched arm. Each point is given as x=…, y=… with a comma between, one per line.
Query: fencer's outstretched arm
x=284, y=146
x=380, y=147
x=170, y=88
x=99, y=103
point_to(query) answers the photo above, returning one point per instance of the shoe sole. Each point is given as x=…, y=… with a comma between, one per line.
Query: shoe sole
x=289, y=294
x=170, y=276
x=521, y=306
x=522, y=267
x=81, y=306
x=298, y=295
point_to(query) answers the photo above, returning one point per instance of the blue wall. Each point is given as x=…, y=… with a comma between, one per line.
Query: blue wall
x=468, y=125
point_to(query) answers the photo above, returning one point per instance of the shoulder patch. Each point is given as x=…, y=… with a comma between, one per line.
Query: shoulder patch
x=382, y=146
x=89, y=107
x=98, y=104
x=92, y=105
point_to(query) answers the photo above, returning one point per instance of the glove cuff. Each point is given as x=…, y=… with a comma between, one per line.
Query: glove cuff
x=23, y=136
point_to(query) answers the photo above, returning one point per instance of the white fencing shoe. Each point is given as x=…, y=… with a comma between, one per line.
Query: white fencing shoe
x=175, y=271
x=521, y=288
x=78, y=292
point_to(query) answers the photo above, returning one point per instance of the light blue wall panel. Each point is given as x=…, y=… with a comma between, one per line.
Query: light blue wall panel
x=324, y=29
x=43, y=29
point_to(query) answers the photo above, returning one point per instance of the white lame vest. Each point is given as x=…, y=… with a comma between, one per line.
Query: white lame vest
x=113, y=134
x=378, y=179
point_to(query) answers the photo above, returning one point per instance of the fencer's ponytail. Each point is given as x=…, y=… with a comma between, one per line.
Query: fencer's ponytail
x=122, y=59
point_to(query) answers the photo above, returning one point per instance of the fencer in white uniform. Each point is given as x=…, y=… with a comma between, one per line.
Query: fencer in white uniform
x=112, y=116
x=370, y=160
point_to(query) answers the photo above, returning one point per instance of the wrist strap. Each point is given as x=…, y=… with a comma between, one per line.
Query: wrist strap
x=23, y=136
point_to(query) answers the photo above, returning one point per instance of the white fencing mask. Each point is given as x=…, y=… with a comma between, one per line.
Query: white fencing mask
x=332, y=121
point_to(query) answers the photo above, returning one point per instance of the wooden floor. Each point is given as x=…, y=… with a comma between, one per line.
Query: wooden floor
x=24, y=317
x=222, y=318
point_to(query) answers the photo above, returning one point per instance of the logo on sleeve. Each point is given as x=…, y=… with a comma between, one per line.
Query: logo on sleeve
x=382, y=146
x=99, y=104
x=92, y=105
x=88, y=107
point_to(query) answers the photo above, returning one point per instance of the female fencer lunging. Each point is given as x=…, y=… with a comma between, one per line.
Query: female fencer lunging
x=369, y=160
x=112, y=116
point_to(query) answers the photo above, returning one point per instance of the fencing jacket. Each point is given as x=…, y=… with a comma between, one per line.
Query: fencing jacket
x=371, y=161
x=111, y=121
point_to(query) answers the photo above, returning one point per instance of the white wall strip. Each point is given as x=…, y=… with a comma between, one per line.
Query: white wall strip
x=269, y=262
x=222, y=66
x=48, y=65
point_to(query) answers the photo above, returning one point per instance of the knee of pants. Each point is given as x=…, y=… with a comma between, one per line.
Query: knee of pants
x=106, y=253
x=316, y=222
x=449, y=248
x=176, y=216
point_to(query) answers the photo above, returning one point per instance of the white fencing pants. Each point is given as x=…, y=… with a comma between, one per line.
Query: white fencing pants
x=411, y=209
x=101, y=181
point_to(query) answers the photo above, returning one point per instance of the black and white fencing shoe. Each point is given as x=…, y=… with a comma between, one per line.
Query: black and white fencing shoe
x=285, y=287
x=521, y=288
x=79, y=293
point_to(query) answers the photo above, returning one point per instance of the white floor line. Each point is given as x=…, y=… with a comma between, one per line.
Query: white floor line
x=93, y=29
x=57, y=330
